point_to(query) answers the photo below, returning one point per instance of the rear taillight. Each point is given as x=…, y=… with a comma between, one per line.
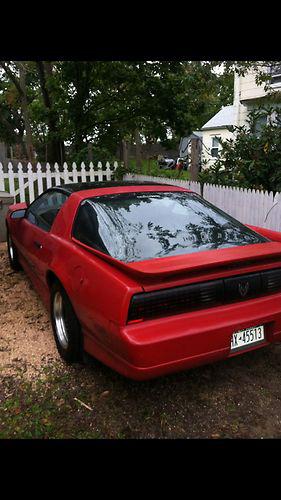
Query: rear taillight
x=188, y=298
x=175, y=300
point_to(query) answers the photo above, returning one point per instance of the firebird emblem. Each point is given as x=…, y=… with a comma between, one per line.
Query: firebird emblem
x=243, y=288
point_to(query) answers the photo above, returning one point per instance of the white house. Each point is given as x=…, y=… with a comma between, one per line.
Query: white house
x=217, y=128
x=247, y=96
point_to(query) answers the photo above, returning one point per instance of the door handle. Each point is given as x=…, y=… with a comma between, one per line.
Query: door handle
x=38, y=245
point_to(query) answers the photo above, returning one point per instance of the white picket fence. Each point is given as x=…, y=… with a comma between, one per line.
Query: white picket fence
x=194, y=186
x=257, y=208
x=28, y=183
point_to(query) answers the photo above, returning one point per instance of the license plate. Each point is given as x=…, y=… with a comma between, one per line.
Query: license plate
x=248, y=337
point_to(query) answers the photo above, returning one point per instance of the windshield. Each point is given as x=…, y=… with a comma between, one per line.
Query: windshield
x=139, y=226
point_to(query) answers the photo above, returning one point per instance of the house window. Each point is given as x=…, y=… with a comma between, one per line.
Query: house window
x=276, y=118
x=215, y=147
x=275, y=72
x=260, y=122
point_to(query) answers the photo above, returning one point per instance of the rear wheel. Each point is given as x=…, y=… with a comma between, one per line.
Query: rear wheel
x=12, y=253
x=66, y=327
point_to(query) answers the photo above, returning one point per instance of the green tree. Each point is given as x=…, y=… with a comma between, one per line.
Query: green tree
x=104, y=103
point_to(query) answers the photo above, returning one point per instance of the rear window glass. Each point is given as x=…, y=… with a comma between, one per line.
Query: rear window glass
x=139, y=226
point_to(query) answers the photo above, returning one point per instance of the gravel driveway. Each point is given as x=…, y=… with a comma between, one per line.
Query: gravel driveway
x=40, y=397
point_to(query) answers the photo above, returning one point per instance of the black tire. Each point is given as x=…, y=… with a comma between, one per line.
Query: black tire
x=66, y=327
x=12, y=254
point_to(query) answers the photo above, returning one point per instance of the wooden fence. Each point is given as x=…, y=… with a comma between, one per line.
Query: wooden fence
x=257, y=208
x=27, y=183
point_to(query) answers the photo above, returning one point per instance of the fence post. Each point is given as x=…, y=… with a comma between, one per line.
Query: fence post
x=21, y=183
x=108, y=171
x=92, y=172
x=49, y=175
x=30, y=182
x=74, y=172
x=57, y=175
x=83, y=172
x=65, y=173
x=2, y=183
x=11, y=179
x=100, y=170
x=39, y=178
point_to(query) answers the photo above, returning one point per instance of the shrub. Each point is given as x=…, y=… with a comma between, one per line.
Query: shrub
x=253, y=158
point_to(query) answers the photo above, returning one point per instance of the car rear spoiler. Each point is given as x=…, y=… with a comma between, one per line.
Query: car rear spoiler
x=195, y=262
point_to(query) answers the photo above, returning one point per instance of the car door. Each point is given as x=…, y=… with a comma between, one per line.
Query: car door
x=36, y=244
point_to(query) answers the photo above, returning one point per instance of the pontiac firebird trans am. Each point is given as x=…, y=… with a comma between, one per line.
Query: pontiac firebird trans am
x=147, y=278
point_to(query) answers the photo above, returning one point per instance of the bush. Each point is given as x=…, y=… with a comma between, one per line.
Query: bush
x=120, y=171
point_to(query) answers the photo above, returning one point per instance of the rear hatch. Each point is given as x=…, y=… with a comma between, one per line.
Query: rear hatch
x=184, y=252
x=207, y=279
x=185, y=283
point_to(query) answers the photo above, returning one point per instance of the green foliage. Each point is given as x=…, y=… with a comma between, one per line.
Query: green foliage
x=99, y=154
x=103, y=102
x=120, y=171
x=253, y=158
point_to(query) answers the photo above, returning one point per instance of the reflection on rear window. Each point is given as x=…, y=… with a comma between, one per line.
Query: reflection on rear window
x=139, y=226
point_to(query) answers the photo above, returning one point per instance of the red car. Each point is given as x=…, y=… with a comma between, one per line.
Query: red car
x=148, y=278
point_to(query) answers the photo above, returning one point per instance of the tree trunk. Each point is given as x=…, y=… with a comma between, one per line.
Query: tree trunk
x=90, y=152
x=24, y=105
x=125, y=153
x=195, y=159
x=56, y=152
x=138, y=150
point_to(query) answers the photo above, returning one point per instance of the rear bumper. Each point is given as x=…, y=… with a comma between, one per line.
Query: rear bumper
x=156, y=347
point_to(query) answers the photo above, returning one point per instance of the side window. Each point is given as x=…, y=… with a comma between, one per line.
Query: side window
x=42, y=212
x=86, y=227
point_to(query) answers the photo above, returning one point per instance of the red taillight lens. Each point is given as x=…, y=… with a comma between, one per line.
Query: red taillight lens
x=174, y=300
x=187, y=298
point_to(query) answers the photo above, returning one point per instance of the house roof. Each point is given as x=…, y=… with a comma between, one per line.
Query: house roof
x=224, y=118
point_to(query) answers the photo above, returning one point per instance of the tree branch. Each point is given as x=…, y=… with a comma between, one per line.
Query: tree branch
x=12, y=77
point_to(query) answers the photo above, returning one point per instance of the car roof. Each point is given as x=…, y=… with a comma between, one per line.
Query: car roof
x=86, y=186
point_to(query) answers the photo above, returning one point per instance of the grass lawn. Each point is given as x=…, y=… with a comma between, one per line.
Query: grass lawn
x=6, y=184
x=150, y=167
x=7, y=188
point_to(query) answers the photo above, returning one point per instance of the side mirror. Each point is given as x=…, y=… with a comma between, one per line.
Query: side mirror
x=18, y=214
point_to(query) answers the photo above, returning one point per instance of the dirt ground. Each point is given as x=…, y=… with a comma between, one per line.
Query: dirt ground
x=26, y=344
x=41, y=397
